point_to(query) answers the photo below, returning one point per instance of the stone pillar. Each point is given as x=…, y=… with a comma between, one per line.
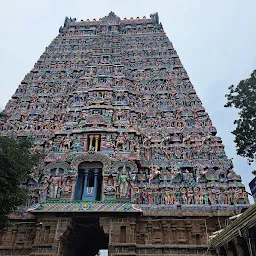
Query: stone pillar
x=73, y=181
x=165, y=228
x=97, y=142
x=85, y=143
x=104, y=185
x=149, y=233
x=133, y=235
x=86, y=172
x=91, y=140
x=96, y=172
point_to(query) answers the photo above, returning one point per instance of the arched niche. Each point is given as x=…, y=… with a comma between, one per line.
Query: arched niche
x=90, y=169
x=91, y=158
x=124, y=172
x=62, y=166
x=56, y=182
x=89, y=181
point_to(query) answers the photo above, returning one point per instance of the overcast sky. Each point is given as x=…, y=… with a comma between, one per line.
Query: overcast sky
x=215, y=40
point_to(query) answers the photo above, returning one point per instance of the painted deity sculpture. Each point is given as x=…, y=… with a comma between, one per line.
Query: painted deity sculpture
x=55, y=185
x=123, y=184
x=110, y=189
x=66, y=187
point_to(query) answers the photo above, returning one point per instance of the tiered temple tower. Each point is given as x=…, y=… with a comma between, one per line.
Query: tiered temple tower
x=128, y=146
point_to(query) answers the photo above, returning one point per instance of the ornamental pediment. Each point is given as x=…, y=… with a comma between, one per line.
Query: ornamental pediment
x=111, y=19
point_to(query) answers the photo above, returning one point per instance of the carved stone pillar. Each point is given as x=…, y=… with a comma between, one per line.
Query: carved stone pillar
x=85, y=143
x=149, y=234
x=132, y=225
x=91, y=137
x=96, y=173
x=97, y=142
x=165, y=228
x=104, y=185
x=73, y=181
x=86, y=172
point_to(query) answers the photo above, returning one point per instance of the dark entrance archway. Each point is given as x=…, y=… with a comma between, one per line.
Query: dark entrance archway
x=83, y=237
x=89, y=181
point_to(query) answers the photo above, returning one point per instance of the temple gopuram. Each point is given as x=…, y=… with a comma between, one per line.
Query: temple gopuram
x=132, y=162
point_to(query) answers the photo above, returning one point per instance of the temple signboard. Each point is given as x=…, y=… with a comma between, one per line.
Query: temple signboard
x=252, y=186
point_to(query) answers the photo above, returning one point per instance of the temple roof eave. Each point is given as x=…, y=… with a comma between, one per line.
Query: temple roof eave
x=244, y=221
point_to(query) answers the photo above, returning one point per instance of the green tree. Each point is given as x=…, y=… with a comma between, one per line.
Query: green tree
x=243, y=97
x=17, y=162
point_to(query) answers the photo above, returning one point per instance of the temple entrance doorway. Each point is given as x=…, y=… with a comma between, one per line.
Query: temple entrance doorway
x=89, y=181
x=84, y=237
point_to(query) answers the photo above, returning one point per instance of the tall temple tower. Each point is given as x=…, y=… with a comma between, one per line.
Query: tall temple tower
x=132, y=161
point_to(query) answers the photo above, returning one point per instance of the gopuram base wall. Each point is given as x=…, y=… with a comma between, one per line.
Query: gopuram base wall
x=151, y=232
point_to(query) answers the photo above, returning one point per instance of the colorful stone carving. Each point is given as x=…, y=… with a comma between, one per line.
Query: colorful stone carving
x=111, y=96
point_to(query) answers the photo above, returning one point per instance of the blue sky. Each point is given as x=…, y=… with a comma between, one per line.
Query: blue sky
x=215, y=40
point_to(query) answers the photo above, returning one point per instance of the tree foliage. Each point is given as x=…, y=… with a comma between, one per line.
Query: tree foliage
x=16, y=164
x=243, y=97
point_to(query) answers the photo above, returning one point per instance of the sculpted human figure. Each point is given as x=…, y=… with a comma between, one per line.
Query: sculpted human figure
x=147, y=152
x=123, y=183
x=132, y=145
x=221, y=197
x=173, y=198
x=197, y=196
x=167, y=197
x=141, y=177
x=187, y=177
x=211, y=197
x=67, y=143
x=230, y=195
x=139, y=196
x=155, y=172
x=145, y=197
x=184, y=195
x=120, y=142
x=206, y=198
x=66, y=187
x=150, y=199
x=162, y=197
x=155, y=197
x=201, y=197
x=110, y=189
x=177, y=197
x=108, y=142
x=201, y=174
x=55, y=185
x=43, y=189
x=238, y=195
